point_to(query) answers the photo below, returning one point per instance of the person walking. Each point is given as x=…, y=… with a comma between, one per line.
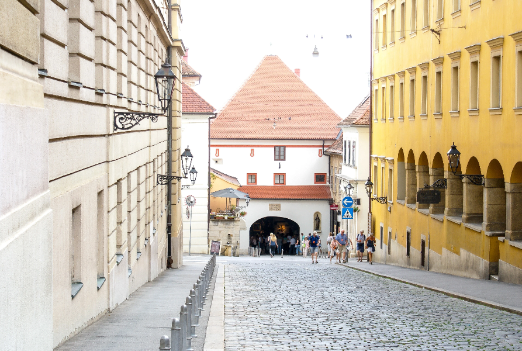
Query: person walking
x=361, y=239
x=329, y=244
x=342, y=239
x=272, y=240
x=370, y=245
x=297, y=246
x=292, y=246
x=306, y=246
x=334, y=245
x=315, y=241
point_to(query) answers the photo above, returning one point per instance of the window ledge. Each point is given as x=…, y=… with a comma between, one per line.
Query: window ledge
x=383, y=120
x=437, y=115
x=497, y=234
x=375, y=120
x=75, y=288
x=392, y=44
x=138, y=255
x=411, y=118
x=402, y=202
x=475, y=5
x=456, y=14
x=477, y=227
x=426, y=29
x=440, y=22
x=119, y=258
x=456, y=220
x=516, y=243
x=495, y=111
x=390, y=202
x=129, y=272
x=383, y=47
x=376, y=51
x=413, y=34
x=438, y=217
x=412, y=206
x=454, y=113
x=100, y=282
x=423, y=116
x=402, y=39
x=400, y=119
x=473, y=112
x=390, y=119
x=518, y=110
x=424, y=211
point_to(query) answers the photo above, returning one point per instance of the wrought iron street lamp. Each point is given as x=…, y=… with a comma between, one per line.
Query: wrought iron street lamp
x=454, y=163
x=165, y=80
x=247, y=200
x=348, y=189
x=368, y=185
x=186, y=163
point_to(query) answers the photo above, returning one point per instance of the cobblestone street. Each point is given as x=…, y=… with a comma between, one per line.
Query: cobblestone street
x=290, y=304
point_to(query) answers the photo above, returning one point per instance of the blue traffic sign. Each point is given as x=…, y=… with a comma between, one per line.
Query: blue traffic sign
x=347, y=213
x=347, y=201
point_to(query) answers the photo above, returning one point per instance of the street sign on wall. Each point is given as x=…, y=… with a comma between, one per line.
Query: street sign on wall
x=334, y=207
x=425, y=196
x=347, y=213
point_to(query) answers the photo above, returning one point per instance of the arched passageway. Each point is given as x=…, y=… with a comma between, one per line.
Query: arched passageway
x=286, y=230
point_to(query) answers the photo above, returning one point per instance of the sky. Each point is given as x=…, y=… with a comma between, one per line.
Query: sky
x=227, y=40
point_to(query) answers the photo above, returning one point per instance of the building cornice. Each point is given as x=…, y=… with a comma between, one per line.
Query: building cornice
x=455, y=55
x=516, y=36
x=473, y=49
x=400, y=74
x=438, y=61
x=424, y=66
x=496, y=43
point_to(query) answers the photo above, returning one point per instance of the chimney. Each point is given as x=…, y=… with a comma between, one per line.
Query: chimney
x=298, y=72
x=185, y=58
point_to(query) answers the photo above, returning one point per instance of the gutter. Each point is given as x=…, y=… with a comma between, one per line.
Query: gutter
x=208, y=190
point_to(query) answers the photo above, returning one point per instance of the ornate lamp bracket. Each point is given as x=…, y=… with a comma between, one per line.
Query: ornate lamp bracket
x=381, y=200
x=439, y=184
x=127, y=120
x=165, y=179
x=477, y=179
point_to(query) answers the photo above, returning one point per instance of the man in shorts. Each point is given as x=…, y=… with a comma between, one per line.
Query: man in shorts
x=342, y=239
x=314, y=246
x=360, y=245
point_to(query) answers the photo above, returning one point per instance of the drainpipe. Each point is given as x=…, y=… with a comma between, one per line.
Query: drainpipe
x=371, y=105
x=169, y=151
x=209, y=180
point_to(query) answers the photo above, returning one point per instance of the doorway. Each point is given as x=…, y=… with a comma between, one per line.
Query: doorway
x=286, y=230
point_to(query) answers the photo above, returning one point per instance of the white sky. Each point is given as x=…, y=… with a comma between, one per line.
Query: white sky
x=229, y=38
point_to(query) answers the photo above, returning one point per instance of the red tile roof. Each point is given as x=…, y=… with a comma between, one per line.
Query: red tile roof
x=275, y=91
x=288, y=192
x=360, y=115
x=337, y=147
x=187, y=71
x=192, y=102
x=230, y=179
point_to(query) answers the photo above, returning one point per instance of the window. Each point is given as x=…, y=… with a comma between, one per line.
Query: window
x=392, y=99
x=438, y=92
x=403, y=19
x=279, y=153
x=401, y=99
x=377, y=34
x=496, y=81
x=348, y=154
x=456, y=5
x=252, y=178
x=353, y=153
x=75, y=245
x=455, y=88
x=390, y=184
x=376, y=105
x=384, y=31
x=518, y=102
x=345, y=150
x=424, y=97
x=392, y=26
x=474, y=86
x=412, y=97
x=426, y=22
x=100, y=220
x=413, y=16
x=320, y=178
x=375, y=181
x=382, y=179
x=383, y=104
x=279, y=179
x=440, y=9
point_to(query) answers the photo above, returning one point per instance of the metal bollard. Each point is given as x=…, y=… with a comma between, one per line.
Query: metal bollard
x=175, y=335
x=183, y=322
x=195, y=306
x=190, y=324
x=198, y=291
x=164, y=343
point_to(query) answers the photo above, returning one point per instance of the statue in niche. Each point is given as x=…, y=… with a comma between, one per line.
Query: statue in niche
x=317, y=222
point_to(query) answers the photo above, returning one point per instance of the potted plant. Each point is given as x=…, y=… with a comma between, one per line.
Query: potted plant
x=242, y=213
x=356, y=209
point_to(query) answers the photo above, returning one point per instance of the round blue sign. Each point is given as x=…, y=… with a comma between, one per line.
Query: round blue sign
x=347, y=201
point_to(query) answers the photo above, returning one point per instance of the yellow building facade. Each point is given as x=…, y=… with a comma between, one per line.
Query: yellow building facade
x=448, y=71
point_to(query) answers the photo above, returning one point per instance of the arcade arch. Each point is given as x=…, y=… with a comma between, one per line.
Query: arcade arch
x=284, y=228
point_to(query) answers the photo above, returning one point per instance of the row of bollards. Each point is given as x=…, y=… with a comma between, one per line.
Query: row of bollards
x=184, y=328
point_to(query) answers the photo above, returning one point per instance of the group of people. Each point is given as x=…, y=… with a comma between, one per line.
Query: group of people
x=339, y=245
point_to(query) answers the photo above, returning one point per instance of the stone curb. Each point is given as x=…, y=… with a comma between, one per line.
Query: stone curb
x=215, y=336
x=443, y=291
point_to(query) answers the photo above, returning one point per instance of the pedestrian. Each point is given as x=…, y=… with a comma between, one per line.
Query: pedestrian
x=370, y=245
x=272, y=241
x=292, y=246
x=297, y=246
x=315, y=241
x=329, y=244
x=334, y=246
x=342, y=239
x=307, y=246
x=361, y=238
